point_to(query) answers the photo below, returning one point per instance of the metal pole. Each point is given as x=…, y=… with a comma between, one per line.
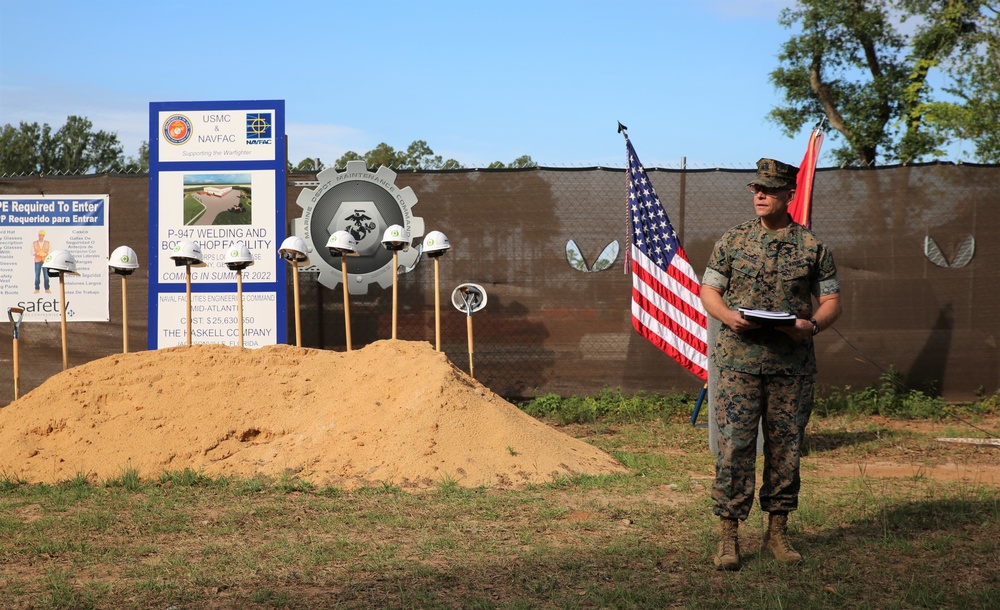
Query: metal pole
x=698, y=403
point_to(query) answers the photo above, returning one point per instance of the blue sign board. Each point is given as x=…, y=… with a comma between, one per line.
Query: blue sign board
x=217, y=179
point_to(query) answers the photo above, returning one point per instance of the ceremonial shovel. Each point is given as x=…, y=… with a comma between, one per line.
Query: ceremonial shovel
x=11, y=311
x=123, y=261
x=469, y=298
x=187, y=254
x=296, y=252
x=343, y=244
x=435, y=245
x=58, y=264
x=395, y=239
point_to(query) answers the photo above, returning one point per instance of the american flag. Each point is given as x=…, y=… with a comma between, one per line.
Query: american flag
x=666, y=294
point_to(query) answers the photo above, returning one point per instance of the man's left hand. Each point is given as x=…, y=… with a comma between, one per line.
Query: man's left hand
x=802, y=330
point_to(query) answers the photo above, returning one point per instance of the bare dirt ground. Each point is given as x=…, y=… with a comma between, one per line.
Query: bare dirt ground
x=400, y=413
x=393, y=412
x=215, y=205
x=907, y=457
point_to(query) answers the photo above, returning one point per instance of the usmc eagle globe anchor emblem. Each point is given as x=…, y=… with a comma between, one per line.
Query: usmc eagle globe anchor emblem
x=364, y=204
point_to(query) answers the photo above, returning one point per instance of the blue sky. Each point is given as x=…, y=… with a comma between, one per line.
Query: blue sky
x=479, y=81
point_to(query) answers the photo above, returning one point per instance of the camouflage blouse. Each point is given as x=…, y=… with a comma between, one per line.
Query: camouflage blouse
x=782, y=270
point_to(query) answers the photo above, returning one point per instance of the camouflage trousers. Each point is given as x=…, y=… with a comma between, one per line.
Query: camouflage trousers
x=782, y=405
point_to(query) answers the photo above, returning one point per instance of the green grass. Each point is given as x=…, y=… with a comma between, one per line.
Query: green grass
x=193, y=209
x=642, y=539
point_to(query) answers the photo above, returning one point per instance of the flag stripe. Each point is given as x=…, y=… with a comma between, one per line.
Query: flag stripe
x=692, y=341
x=685, y=303
x=666, y=294
x=680, y=273
x=691, y=344
x=666, y=347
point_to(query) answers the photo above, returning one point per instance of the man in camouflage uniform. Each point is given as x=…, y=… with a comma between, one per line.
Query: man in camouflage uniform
x=766, y=373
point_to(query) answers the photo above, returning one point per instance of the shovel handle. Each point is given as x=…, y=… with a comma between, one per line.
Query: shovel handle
x=468, y=325
x=17, y=372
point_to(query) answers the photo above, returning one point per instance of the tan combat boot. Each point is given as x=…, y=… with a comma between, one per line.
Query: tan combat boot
x=776, y=539
x=727, y=557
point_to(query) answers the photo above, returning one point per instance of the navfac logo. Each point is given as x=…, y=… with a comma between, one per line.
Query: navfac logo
x=259, y=126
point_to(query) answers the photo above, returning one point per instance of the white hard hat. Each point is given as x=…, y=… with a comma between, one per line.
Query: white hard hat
x=294, y=249
x=436, y=243
x=188, y=253
x=60, y=261
x=396, y=238
x=123, y=260
x=342, y=242
x=238, y=257
x=238, y=253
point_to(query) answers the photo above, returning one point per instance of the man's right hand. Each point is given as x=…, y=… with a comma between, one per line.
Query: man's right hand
x=738, y=323
x=711, y=298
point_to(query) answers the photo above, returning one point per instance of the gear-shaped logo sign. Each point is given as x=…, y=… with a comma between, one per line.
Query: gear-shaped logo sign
x=364, y=204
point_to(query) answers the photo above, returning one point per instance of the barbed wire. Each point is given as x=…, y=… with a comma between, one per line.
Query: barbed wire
x=75, y=174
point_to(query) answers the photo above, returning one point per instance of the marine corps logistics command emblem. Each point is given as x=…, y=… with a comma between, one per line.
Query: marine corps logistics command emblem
x=177, y=129
x=364, y=204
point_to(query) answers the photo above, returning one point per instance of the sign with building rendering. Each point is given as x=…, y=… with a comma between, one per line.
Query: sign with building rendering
x=217, y=178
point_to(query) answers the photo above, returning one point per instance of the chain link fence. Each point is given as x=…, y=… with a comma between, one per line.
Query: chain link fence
x=558, y=318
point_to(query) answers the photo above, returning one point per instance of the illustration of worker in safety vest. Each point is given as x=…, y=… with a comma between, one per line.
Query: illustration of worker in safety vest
x=40, y=249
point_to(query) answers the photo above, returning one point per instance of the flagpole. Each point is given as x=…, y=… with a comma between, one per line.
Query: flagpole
x=800, y=207
x=666, y=306
x=682, y=197
x=627, y=266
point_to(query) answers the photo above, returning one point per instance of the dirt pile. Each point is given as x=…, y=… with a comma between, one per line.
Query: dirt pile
x=395, y=411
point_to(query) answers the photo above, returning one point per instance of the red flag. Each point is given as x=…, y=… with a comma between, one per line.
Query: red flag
x=666, y=294
x=801, y=205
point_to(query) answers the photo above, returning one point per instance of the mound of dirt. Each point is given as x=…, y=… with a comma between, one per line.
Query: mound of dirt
x=393, y=412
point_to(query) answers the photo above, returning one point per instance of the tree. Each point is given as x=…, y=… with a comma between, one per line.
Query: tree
x=80, y=149
x=140, y=163
x=417, y=156
x=521, y=162
x=20, y=148
x=975, y=116
x=851, y=64
x=383, y=154
x=75, y=148
x=308, y=165
x=350, y=155
x=420, y=156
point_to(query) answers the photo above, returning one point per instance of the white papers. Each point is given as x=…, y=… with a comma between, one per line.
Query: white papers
x=767, y=318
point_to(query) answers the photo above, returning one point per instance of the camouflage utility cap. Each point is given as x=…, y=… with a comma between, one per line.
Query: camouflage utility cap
x=775, y=174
